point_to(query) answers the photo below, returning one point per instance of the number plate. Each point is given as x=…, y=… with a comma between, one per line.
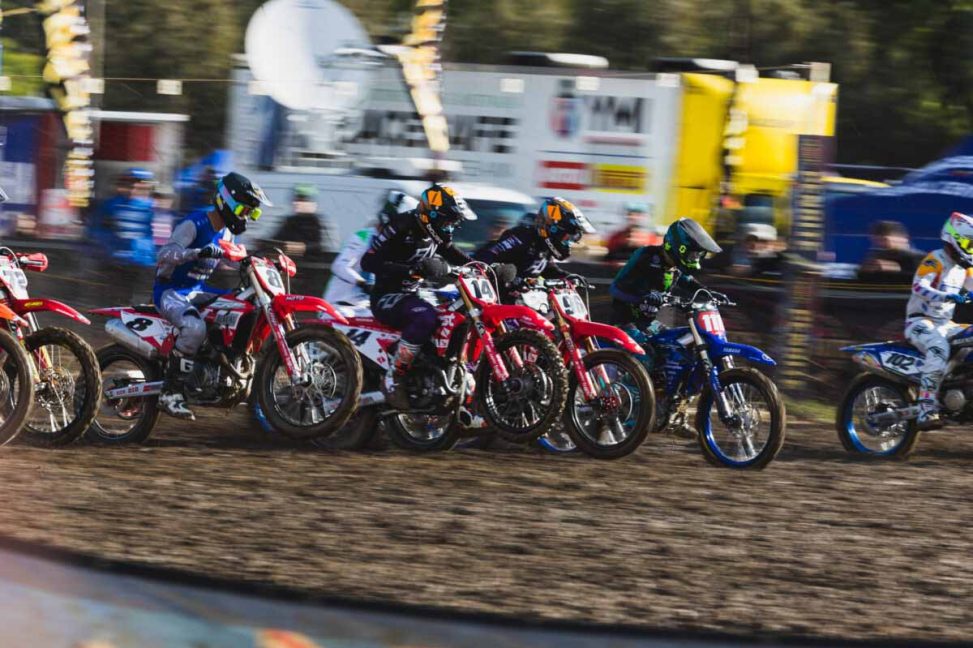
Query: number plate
x=15, y=280
x=900, y=363
x=270, y=277
x=482, y=289
x=572, y=304
x=537, y=300
x=711, y=322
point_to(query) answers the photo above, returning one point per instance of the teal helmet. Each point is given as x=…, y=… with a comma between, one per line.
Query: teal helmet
x=686, y=243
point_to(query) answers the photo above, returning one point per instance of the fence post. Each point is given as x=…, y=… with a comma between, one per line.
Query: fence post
x=801, y=275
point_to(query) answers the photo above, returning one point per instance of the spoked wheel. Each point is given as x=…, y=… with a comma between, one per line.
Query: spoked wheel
x=16, y=387
x=616, y=422
x=859, y=422
x=68, y=394
x=326, y=389
x=124, y=420
x=755, y=434
x=528, y=404
x=423, y=433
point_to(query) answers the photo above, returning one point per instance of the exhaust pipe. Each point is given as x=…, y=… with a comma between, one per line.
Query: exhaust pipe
x=128, y=339
x=465, y=417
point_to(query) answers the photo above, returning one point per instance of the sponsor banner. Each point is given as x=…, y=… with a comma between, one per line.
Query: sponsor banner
x=564, y=176
x=619, y=178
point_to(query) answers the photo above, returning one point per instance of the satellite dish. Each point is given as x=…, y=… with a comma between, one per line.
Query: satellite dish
x=310, y=55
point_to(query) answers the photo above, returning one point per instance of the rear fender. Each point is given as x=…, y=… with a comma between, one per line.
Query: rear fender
x=494, y=314
x=581, y=329
x=23, y=306
x=285, y=305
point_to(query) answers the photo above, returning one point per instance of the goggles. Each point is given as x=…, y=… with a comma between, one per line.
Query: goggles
x=239, y=209
x=693, y=259
x=965, y=243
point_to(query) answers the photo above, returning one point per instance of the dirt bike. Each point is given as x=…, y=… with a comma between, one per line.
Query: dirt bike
x=611, y=400
x=67, y=392
x=307, y=379
x=740, y=417
x=877, y=415
x=514, y=379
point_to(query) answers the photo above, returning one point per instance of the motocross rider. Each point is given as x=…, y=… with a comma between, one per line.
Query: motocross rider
x=652, y=271
x=185, y=262
x=402, y=253
x=535, y=248
x=348, y=288
x=939, y=284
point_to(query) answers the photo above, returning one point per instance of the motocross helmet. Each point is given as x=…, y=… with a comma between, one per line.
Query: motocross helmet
x=958, y=236
x=559, y=224
x=440, y=211
x=396, y=202
x=238, y=200
x=686, y=243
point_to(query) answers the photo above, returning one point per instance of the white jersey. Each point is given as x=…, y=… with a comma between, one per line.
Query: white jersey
x=344, y=286
x=938, y=277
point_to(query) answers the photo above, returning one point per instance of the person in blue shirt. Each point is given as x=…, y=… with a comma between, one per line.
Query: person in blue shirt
x=185, y=263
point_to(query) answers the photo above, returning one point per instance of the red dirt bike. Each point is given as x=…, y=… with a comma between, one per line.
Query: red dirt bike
x=515, y=379
x=611, y=401
x=67, y=382
x=307, y=380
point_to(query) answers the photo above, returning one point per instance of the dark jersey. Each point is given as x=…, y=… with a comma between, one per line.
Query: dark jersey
x=524, y=248
x=647, y=271
x=396, y=249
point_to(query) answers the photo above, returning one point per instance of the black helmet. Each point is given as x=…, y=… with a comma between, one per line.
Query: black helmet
x=440, y=210
x=238, y=200
x=560, y=224
x=687, y=243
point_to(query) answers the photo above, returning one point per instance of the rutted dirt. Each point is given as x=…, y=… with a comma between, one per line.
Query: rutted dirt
x=816, y=544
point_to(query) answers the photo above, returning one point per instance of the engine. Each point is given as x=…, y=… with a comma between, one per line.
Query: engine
x=432, y=387
x=216, y=380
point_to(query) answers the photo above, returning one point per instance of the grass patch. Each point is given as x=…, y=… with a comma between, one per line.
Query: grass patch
x=809, y=409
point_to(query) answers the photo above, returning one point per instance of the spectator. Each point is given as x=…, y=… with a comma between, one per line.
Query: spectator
x=164, y=216
x=761, y=252
x=891, y=253
x=123, y=225
x=633, y=235
x=304, y=233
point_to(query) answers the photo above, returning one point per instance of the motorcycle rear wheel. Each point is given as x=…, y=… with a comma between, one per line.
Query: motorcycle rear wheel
x=123, y=421
x=853, y=431
x=421, y=433
x=540, y=388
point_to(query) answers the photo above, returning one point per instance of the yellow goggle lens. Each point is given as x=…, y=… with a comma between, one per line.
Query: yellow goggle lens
x=244, y=211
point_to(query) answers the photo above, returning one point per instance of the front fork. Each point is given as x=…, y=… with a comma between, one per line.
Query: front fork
x=279, y=328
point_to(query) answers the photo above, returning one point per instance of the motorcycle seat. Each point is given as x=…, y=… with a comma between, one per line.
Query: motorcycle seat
x=145, y=309
x=372, y=323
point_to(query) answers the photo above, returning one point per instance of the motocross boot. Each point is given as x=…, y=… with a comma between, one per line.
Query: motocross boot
x=172, y=400
x=929, y=417
x=394, y=385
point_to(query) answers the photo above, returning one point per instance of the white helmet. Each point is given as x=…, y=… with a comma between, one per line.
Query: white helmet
x=958, y=235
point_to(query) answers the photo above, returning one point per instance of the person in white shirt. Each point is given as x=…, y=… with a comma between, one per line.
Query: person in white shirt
x=348, y=288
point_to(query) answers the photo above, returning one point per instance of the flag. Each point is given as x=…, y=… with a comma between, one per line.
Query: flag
x=422, y=69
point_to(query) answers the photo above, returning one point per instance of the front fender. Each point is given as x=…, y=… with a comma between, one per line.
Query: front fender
x=23, y=306
x=745, y=351
x=284, y=305
x=585, y=329
x=493, y=314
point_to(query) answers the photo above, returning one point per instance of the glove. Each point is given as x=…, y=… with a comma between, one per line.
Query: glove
x=957, y=298
x=211, y=251
x=654, y=298
x=366, y=287
x=506, y=273
x=432, y=268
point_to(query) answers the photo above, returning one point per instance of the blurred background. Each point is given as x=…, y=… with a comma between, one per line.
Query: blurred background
x=850, y=119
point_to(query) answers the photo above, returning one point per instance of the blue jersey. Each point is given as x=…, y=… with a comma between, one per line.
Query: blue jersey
x=191, y=274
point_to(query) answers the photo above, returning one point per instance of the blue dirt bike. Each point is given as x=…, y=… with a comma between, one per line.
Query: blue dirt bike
x=877, y=416
x=740, y=418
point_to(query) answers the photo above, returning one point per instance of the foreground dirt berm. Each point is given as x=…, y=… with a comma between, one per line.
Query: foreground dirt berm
x=816, y=544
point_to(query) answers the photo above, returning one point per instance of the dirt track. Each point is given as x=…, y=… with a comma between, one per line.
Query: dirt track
x=815, y=544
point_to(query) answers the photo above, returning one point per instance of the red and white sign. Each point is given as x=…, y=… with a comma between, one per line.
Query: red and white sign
x=566, y=176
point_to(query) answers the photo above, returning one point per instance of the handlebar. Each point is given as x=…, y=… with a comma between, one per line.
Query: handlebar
x=708, y=297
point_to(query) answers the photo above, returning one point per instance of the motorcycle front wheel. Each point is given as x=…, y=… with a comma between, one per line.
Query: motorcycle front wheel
x=756, y=434
x=617, y=421
x=868, y=395
x=326, y=389
x=16, y=387
x=529, y=404
x=68, y=394
x=423, y=433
